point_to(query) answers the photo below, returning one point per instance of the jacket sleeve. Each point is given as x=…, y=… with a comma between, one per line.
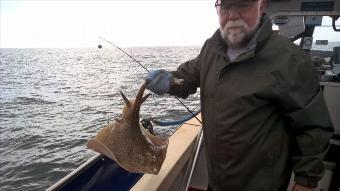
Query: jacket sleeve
x=307, y=119
x=190, y=73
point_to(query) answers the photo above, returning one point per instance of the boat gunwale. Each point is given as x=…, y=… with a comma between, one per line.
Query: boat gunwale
x=72, y=175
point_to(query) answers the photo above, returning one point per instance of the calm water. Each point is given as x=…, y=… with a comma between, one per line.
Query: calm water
x=53, y=100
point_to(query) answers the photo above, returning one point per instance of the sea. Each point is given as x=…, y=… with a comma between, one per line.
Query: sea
x=52, y=101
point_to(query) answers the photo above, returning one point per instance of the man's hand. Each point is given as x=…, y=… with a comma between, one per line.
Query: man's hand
x=159, y=81
x=298, y=187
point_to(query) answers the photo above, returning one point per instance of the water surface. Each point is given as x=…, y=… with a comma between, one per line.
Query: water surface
x=53, y=100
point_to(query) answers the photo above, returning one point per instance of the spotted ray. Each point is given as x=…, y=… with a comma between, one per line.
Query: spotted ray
x=128, y=143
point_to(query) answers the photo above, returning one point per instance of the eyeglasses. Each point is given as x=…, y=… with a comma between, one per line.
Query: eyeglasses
x=224, y=8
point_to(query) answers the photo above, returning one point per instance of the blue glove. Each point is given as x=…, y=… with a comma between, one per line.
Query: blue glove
x=159, y=81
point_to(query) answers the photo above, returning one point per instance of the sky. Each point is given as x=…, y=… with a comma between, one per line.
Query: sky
x=80, y=23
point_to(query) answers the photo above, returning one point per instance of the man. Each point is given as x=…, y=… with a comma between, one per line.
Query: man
x=262, y=108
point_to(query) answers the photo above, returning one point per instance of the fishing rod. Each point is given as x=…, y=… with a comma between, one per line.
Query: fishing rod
x=99, y=46
x=124, y=53
x=200, y=139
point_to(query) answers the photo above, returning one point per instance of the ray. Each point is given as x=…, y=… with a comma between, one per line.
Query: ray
x=126, y=142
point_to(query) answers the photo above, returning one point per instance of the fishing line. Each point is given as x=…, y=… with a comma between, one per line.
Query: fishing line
x=100, y=46
x=100, y=60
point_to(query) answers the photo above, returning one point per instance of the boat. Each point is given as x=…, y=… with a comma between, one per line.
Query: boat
x=185, y=166
x=102, y=173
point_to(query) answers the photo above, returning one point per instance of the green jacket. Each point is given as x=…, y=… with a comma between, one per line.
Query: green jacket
x=263, y=114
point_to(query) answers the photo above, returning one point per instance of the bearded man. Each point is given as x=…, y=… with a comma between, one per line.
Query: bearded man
x=263, y=112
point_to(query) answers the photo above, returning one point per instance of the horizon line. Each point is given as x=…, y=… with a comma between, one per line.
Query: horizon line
x=104, y=47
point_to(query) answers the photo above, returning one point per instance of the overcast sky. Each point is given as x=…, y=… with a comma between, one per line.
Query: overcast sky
x=79, y=23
